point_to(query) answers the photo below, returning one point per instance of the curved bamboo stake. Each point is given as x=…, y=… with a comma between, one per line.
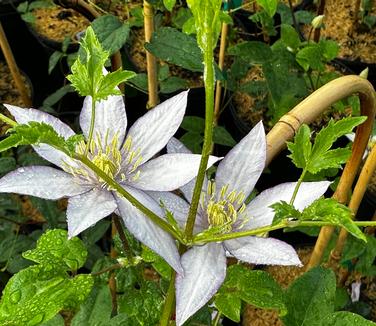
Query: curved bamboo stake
x=356, y=198
x=151, y=61
x=306, y=112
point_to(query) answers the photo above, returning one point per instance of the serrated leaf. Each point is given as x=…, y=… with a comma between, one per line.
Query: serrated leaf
x=35, y=295
x=330, y=210
x=325, y=139
x=254, y=287
x=284, y=210
x=310, y=298
x=301, y=148
x=331, y=159
x=31, y=134
x=55, y=250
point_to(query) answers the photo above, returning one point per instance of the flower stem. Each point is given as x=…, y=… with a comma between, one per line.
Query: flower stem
x=118, y=188
x=206, y=148
x=92, y=122
x=169, y=302
x=217, y=318
x=297, y=186
x=265, y=229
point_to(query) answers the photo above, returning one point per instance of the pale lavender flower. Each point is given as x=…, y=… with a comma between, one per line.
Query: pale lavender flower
x=128, y=158
x=223, y=206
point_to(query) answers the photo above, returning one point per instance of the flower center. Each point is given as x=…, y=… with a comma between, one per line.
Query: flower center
x=223, y=211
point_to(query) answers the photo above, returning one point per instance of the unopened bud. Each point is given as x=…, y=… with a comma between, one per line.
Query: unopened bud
x=317, y=21
x=364, y=73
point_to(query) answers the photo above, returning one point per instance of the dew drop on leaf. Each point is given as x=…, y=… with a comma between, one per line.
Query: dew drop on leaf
x=36, y=320
x=15, y=297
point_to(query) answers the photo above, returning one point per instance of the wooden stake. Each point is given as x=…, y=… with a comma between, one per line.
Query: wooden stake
x=151, y=61
x=221, y=61
x=306, y=112
x=11, y=62
x=358, y=193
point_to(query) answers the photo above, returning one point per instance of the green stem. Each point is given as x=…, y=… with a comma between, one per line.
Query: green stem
x=92, y=122
x=169, y=302
x=216, y=319
x=309, y=75
x=297, y=186
x=206, y=148
x=118, y=188
x=8, y=120
x=266, y=229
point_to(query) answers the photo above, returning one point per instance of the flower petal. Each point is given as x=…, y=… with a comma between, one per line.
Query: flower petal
x=261, y=214
x=204, y=272
x=87, y=209
x=41, y=181
x=178, y=207
x=47, y=152
x=263, y=251
x=146, y=230
x=169, y=172
x=23, y=116
x=151, y=132
x=110, y=118
x=243, y=165
x=175, y=146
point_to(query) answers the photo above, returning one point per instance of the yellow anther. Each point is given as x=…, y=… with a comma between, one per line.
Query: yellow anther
x=231, y=197
x=224, y=191
x=136, y=176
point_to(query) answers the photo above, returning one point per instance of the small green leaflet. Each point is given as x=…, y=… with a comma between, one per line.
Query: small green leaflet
x=35, y=133
x=322, y=209
x=169, y=4
x=319, y=156
x=254, y=287
x=87, y=75
x=270, y=6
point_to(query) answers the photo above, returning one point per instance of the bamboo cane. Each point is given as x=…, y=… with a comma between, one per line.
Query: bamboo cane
x=151, y=61
x=11, y=62
x=221, y=61
x=306, y=112
x=358, y=193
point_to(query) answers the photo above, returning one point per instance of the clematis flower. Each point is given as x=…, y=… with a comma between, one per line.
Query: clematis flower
x=128, y=158
x=222, y=206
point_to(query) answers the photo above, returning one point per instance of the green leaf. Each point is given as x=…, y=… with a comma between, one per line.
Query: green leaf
x=180, y=17
x=193, y=123
x=87, y=72
x=35, y=295
x=254, y=287
x=270, y=6
x=289, y=36
x=54, y=60
x=157, y=262
x=56, y=251
x=111, y=32
x=55, y=97
x=330, y=210
x=32, y=133
x=301, y=147
x=49, y=210
x=140, y=81
x=331, y=159
x=169, y=4
x=175, y=47
x=172, y=84
x=7, y=164
x=309, y=57
x=222, y=137
x=345, y=318
x=284, y=210
x=254, y=52
x=193, y=141
x=144, y=304
x=329, y=49
x=310, y=298
x=325, y=139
